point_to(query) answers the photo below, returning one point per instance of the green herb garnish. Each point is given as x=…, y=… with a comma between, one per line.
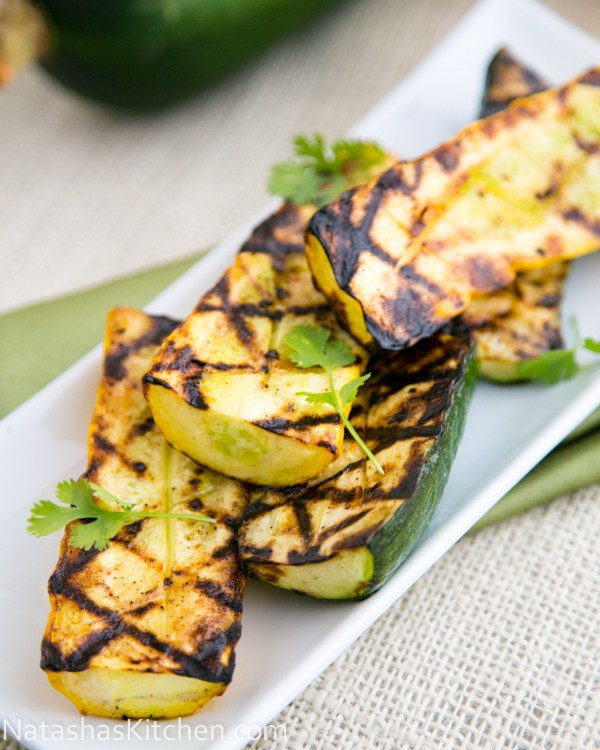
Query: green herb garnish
x=80, y=505
x=312, y=346
x=321, y=174
x=556, y=364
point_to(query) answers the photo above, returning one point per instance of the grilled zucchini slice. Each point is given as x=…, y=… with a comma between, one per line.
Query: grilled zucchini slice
x=343, y=535
x=521, y=321
x=222, y=388
x=403, y=255
x=147, y=627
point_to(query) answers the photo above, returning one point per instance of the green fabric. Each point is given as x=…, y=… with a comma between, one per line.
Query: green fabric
x=568, y=468
x=41, y=341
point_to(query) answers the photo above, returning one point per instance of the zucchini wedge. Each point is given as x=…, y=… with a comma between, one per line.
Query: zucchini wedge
x=343, y=535
x=222, y=388
x=521, y=321
x=147, y=627
x=519, y=190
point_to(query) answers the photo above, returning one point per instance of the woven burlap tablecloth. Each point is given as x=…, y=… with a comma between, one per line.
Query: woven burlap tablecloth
x=497, y=646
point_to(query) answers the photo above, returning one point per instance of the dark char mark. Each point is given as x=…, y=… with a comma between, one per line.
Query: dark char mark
x=448, y=156
x=143, y=428
x=407, y=485
x=102, y=444
x=221, y=553
x=114, y=363
x=205, y=664
x=245, y=308
x=263, y=238
x=193, y=395
x=592, y=78
x=55, y=661
x=311, y=555
x=218, y=593
x=574, y=214
x=303, y=520
x=251, y=552
x=151, y=380
x=346, y=523
x=281, y=425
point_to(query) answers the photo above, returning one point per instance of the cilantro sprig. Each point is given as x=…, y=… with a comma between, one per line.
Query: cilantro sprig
x=321, y=173
x=80, y=505
x=556, y=364
x=312, y=346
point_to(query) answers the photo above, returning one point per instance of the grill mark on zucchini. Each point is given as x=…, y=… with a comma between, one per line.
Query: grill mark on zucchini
x=576, y=215
x=282, y=425
x=54, y=660
x=204, y=665
x=280, y=234
x=114, y=363
x=216, y=592
x=341, y=526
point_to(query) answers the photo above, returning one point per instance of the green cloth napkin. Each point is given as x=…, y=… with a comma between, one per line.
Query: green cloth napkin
x=39, y=342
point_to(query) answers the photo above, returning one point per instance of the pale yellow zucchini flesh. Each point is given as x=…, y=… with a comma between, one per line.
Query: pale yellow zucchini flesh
x=519, y=190
x=222, y=387
x=147, y=627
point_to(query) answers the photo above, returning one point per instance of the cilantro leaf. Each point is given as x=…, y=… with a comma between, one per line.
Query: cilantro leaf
x=312, y=346
x=100, y=531
x=101, y=524
x=312, y=149
x=294, y=182
x=550, y=367
x=320, y=174
x=592, y=345
x=108, y=497
x=326, y=397
x=47, y=517
x=348, y=392
x=557, y=364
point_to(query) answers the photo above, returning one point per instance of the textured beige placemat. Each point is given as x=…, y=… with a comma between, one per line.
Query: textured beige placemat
x=497, y=646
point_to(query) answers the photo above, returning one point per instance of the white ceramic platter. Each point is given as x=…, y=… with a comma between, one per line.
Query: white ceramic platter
x=288, y=640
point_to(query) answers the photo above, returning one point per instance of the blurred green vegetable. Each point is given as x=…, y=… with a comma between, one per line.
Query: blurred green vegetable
x=145, y=54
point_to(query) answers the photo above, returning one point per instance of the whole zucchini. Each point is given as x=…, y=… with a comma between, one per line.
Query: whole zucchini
x=149, y=54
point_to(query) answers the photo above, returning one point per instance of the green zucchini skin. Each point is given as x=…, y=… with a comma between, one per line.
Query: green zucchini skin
x=393, y=543
x=344, y=535
x=147, y=55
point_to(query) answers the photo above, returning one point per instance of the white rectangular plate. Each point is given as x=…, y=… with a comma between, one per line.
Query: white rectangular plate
x=288, y=640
